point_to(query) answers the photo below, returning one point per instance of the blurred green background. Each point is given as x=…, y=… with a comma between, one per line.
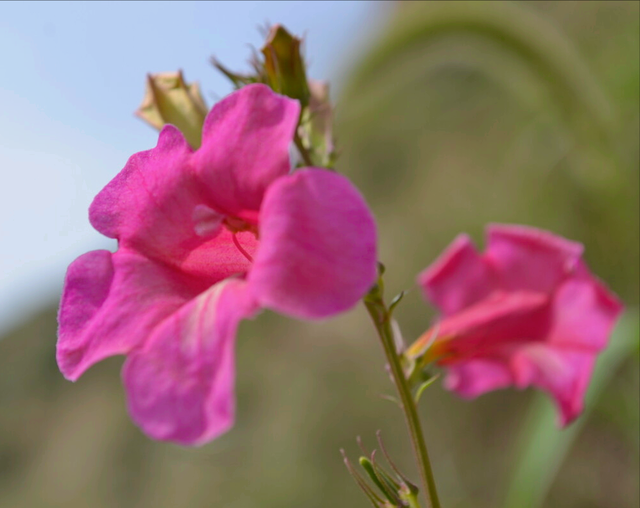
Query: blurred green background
x=458, y=114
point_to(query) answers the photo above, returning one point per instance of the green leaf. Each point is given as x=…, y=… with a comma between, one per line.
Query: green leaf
x=542, y=447
x=424, y=386
x=396, y=300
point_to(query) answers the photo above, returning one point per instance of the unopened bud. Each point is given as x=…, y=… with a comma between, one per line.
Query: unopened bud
x=284, y=66
x=170, y=100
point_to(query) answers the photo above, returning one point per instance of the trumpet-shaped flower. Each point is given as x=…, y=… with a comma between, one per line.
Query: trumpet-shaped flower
x=207, y=238
x=526, y=312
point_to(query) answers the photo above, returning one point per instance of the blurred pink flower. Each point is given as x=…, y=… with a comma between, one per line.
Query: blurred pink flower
x=527, y=312
x=205, y=239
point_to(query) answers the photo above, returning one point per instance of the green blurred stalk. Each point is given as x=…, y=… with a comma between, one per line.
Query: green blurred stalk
x=544, y=49
x=382, y=321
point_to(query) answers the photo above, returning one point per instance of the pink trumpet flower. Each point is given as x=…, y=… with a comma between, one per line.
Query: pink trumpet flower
x=207, y=238
x=527, y=312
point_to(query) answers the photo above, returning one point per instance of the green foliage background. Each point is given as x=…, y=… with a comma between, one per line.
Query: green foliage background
x=459, y=114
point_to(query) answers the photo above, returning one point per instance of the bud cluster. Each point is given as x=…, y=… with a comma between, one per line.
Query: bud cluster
x=390, y=489
x=281, y=66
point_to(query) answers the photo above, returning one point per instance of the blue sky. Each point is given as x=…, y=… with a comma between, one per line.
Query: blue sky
x=73, y=73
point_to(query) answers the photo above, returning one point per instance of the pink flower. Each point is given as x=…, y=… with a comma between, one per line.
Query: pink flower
x=205, y=239
x=527, y=312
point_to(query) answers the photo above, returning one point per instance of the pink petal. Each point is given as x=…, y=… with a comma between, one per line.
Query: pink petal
x=219, y=258
x=317, y=255
x=156, y=206
x=502, y=319
x=180, y=385
x=110, y=304
x=584, y=313
x=149, y=206
x=564, y=374
x=530, y=259
x=245, y=147
x=458, y=278
x=473, y=378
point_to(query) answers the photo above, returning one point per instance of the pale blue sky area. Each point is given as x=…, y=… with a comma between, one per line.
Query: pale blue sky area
x=72, y=75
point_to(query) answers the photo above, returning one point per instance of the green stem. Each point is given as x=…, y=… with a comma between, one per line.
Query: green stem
x=382, y=321
x=303, y=151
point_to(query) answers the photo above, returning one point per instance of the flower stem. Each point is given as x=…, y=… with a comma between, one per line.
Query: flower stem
x=382, y=321
x=303, y=151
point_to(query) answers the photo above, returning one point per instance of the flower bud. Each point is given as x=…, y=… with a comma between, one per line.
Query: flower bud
x=284, y=66
x=169, y=99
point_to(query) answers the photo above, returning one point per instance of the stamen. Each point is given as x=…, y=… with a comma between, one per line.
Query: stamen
x=239, y=247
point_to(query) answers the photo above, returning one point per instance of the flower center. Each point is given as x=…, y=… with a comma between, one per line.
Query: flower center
x=236, y=225
x=208, y=223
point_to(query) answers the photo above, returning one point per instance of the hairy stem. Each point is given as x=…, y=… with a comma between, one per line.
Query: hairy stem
x=382, y=321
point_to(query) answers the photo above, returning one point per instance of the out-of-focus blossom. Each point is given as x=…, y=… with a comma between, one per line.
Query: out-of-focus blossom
x=527, y=312
x=207, y=238
x=170, y=100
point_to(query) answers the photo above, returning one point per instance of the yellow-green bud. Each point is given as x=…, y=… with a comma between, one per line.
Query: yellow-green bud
x=169, y=99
